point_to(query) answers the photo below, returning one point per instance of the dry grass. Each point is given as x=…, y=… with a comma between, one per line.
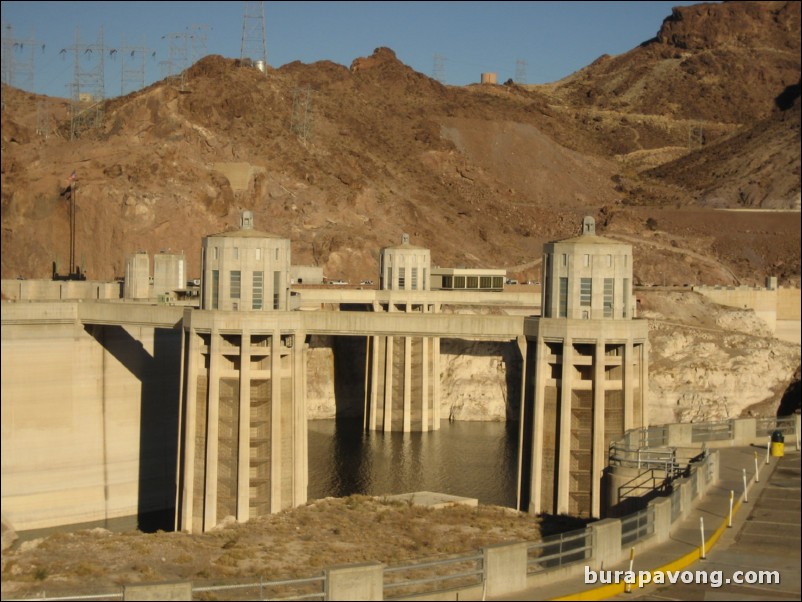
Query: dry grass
x=294, y=543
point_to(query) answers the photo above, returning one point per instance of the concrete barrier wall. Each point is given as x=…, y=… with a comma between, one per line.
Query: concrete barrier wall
x=55, y=290
x=779, y=308
x=74, y=402
x=762, y=301
x=788, y=304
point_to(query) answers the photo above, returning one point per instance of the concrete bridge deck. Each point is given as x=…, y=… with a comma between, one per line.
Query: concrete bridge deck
x=474, y=326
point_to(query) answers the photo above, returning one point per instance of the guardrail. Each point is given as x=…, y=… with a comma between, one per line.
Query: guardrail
x=434, y=576
x=638, y=526
x=643, y=458
x=766, y=426
x=306, y=588
x=711, y=431
x=559, y=550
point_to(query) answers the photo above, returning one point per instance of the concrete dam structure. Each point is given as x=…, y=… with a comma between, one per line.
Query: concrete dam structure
x=191, y=415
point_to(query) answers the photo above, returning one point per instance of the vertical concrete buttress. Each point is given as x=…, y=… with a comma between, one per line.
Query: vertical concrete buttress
x=244, y=427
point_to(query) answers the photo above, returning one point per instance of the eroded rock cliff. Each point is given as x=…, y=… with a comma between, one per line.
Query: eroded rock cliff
x=709, y=362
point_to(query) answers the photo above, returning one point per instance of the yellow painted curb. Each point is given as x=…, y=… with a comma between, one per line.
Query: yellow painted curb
x=613, y=589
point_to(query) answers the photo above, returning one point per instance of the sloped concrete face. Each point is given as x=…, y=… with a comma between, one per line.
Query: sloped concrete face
x=74, y=401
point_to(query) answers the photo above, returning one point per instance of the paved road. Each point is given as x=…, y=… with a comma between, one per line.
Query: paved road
x=766, y=538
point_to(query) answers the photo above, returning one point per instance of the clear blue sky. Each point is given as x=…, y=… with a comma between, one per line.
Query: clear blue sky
x=543, y=41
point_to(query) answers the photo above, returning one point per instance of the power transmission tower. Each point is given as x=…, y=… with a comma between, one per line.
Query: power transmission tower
x=88, y=85
x=253, y=48
x=520, y=72
x=44, y=118
x=198, y=37
x=439, y=68
x=132, y=66
x=302, y=117
x=176, y=62
x=18, y=60
x=8, y=55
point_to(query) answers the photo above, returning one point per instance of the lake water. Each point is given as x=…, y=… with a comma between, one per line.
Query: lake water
x=469, y=459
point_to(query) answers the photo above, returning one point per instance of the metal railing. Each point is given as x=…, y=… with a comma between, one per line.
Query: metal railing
x=559, y=550
x=44, y=598
x=637, y=526
x=766, y=426
x=433, y=576
x=676, y=503
x=652, y=436
x=643, y=458
x=644, y=484
x=305, y=588
x=711, y=431
x=694, y=485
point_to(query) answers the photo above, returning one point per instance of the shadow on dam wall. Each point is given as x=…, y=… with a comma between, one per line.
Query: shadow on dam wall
x=350, y=362
x=159, y=375
x=350, y=357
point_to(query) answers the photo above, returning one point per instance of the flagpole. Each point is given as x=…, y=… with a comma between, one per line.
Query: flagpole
x=72, y=226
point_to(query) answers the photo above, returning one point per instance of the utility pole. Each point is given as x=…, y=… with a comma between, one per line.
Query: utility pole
x=74, y=273
x=73, y=194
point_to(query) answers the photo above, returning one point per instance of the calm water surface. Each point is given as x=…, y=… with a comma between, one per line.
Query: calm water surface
x=470, y=459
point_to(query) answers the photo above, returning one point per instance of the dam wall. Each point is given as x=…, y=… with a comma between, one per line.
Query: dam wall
x=75, y=401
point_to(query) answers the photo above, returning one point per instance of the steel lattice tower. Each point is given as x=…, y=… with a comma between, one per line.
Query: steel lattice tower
x=197, y=42
x=302, y=116
x=254, y=42
x=520, y=71
x=132, y=67
x=439, y=68
x=88, y=85
x=177, y=55
x=18, y=60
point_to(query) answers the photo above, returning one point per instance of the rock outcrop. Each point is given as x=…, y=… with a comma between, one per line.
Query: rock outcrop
x=709, y=362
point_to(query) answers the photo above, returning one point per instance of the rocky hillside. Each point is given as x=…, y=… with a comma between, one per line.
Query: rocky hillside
x=718, y=63
x=343, y=160
x=761, y=174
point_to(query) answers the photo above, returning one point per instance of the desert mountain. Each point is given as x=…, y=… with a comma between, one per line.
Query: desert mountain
x=343, y=160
